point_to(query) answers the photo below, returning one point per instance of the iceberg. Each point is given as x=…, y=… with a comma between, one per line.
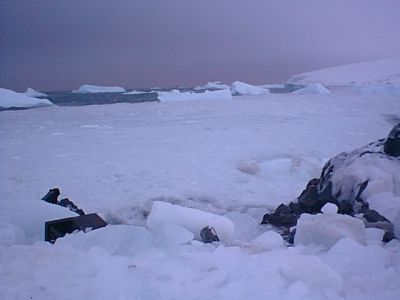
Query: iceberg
x=242, y=88
x=87, y=88
x=214, y=85
x=11, y=99
x=33, y=93
x=176, y=95
x=314, y=88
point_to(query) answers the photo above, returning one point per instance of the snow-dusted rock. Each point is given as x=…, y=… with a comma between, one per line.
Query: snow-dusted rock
x=9, y=99
x=242, y=88
x=192, y=219
x=326, y=230
x=176, y=95
x=87, y=88
x=215, y=85
x=314, y=88
x=33, y=93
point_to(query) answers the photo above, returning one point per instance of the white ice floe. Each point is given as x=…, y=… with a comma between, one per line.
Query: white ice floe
x=381, y=90
x=214, y=85
x=87, y=88
x=314, y=88
x=176, y=95
x=242, y=88
x=169, y=234
x=327, y=229
x=370, y=72
x=192, y=219
x=9, y=99
x=33, y=93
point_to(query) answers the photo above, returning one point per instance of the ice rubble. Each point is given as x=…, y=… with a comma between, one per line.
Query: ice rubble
x=242, y=88
x=33, y=93
x=87, y=88
x=11, y=99
x=176, y=95
x=314, y=88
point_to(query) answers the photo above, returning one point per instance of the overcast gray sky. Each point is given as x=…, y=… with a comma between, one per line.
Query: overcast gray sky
x=62, y=44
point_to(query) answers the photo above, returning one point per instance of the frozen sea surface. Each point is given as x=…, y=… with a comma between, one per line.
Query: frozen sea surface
x=236, y=158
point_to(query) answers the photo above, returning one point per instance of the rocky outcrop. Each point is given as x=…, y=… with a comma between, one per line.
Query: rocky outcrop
x=347, y=180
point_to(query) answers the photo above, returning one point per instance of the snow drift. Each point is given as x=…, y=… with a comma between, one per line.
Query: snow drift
x=176, y=95
x=87, y=88
x=382, y=90
x=11, y=99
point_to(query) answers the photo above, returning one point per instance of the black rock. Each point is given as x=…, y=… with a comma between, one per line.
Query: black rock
x=373, y=216
x=209, y=235
x=388, y=236
x=283, y=216
x=392, y=143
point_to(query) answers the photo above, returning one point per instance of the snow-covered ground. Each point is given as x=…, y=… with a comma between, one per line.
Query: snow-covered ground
x=371, y=72
x=234, y=158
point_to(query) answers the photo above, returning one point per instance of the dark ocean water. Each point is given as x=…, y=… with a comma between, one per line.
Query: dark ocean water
x=69, y=98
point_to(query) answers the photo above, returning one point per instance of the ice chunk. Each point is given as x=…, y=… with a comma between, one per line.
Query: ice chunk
x=87, y=88
x=242, y=88
x=168, y=234
x=192, y=219
x=374, y=235
x=32, y=93
x=326, y=230
x=135, y=93
x=245, y=226
x=386, y=203
x=350, y=258
x=314, y=88
x=9, y=98
x=115, y=239
x=329, y=208
x=176, y=95
x=268, y=240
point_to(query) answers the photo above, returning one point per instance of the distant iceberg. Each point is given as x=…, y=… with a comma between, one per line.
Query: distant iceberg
x=87, y=88
x=314, y=88
x=215, y=85
x=242, y=88
x=11, y=99
x=135, y=93
x=33, y=93
x=176, y=95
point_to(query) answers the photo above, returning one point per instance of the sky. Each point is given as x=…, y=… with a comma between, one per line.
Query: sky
x=60, y=45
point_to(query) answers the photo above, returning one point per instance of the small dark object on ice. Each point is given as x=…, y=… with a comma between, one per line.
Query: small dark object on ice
x=52, y=197
x=209, y=235
x=59, y=228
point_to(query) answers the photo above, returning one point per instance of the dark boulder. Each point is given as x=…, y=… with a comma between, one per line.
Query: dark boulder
x=345, y=181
